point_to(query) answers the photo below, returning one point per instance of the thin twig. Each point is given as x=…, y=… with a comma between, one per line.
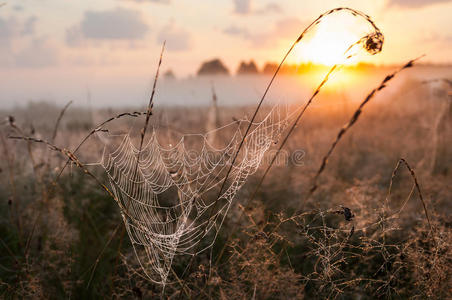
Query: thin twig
x=100, y=254
x=55, y=129
x=416, y=183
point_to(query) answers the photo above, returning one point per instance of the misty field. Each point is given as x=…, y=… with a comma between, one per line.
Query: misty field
x=363, y=234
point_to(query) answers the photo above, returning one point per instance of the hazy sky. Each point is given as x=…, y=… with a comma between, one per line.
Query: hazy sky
x=45, y=41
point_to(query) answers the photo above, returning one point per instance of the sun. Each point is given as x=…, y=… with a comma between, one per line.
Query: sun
x=327, y=44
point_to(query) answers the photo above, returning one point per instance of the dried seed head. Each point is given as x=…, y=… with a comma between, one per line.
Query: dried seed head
x=348, y=214
x=11, y=120
x=374, y=43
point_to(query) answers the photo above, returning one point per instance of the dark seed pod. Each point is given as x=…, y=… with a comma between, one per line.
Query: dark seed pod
x=348, y=214
x=374, y=43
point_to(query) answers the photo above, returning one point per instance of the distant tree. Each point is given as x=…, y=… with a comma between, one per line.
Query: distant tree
x=169, y=74
x=247, y=68
x=270, y=68
x=213, y=67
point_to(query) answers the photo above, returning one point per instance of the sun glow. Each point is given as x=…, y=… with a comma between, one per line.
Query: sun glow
x=327, y=44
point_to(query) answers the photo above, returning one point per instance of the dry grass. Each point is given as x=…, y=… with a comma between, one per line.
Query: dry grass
x=391, y=251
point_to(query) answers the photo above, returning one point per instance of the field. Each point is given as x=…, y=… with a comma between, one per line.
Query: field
x=370, y=230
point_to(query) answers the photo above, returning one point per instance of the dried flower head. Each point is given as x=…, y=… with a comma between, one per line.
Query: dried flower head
x=11, y=120
x=374, y=42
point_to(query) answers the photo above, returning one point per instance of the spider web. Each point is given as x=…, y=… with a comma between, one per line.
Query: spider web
x=168, y=197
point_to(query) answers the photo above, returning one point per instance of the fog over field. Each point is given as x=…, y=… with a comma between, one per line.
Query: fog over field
x=103, y=91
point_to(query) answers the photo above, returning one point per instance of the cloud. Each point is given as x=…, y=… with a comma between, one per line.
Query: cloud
x=40, y=52
x=283, y=29
x=13, y=28
x=237, y=31
x=74, y=37
x=414, y=3
x=113, y=24
x=29, y=26
x=435, y=37
x=288, y=28
x=270, y=8
x=18, y=7
x=21, y=47
x=118, y=26
x=7, y=28
x=177, y=39
x=242, y=7
x=245, y=7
